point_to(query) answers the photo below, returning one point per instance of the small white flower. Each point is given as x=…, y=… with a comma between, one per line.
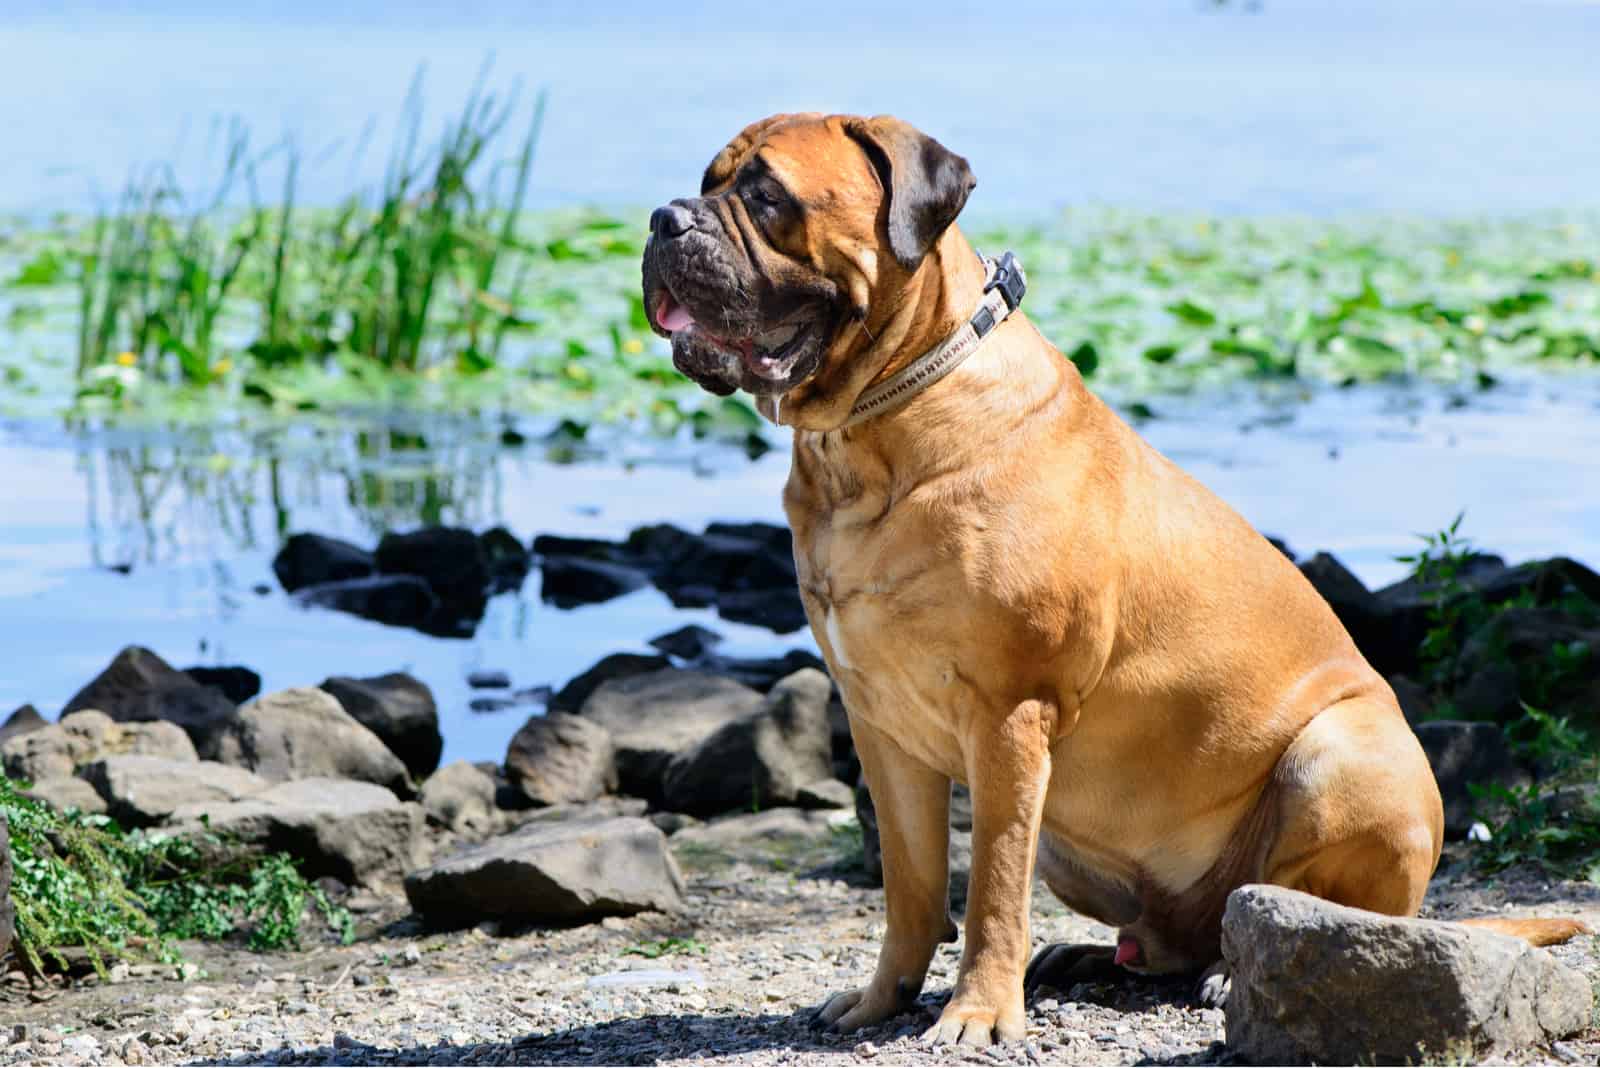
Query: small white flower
x=1479, y=832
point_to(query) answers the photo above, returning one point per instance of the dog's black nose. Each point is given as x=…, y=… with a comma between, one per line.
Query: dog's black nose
x=671, y=220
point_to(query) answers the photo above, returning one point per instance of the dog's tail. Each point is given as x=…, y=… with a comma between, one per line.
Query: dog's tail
x=1538, y=930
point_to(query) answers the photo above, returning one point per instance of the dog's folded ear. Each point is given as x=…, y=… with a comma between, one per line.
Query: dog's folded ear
x=925, y=185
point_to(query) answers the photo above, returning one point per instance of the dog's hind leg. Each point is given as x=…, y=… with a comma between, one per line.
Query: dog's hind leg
x=913, y=806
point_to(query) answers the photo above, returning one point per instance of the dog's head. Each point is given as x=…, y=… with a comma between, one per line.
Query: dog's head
x=803, y=224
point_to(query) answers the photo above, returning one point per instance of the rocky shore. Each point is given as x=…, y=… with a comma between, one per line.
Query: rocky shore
x=675, y=859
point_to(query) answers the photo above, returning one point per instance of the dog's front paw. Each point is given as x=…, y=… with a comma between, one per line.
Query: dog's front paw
x=974, y=1020
x=855, y=1009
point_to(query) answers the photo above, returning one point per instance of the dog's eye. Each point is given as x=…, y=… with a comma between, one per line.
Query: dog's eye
x=765, y=195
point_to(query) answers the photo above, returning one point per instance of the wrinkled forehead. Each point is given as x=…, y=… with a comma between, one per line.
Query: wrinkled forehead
x=815, y=159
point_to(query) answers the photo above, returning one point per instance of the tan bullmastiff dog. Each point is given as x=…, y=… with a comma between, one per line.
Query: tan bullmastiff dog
x=1150, y=705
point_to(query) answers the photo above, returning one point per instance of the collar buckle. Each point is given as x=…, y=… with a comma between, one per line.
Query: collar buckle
x=1009, y=280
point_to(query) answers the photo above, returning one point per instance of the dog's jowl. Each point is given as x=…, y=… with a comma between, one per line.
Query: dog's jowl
x=1148, y=701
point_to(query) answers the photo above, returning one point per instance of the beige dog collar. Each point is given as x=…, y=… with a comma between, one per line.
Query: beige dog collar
x=1003, y=287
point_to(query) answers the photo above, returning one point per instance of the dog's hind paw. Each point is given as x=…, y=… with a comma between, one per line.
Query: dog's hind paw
x=1212, y=989
x=1062, y=964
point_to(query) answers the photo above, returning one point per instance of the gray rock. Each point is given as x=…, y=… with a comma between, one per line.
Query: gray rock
x=353, y=831
x=563, y=872
x=1416, y=704
x=460, y=796
x=572, y=696
x=305, y=733
x=8, y=912
x=64, y=792
x=758, y=760
x=653, y=717
x=1315, y=982
x=559, y=758
x=144, y=790
x=825, y=793
x=139, y=686
x=400, y=710
x=1461, y=754
x=20, y=722
x=58, y=750
x=729, y=833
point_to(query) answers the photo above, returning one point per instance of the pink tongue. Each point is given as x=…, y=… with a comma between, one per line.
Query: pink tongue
x=672, y=316
x=1128, y=951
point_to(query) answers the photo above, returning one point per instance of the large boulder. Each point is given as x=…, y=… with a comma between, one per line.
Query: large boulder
x=571, y=697
x=139, y=686
x=312, y=559
x=566, y=872
x=1463, y=754
x=1390, y=648
x=652, y=718
x=21, y=721
x=58, y=750
x=1540, y=656
x=353, y=831
x=235, y=682
x=460, y=796
x=1319, y=983
x=759, y=760
x=558, y=758
x=400, y=710
x=143, y=790
x=305, y=733
x=68, y=792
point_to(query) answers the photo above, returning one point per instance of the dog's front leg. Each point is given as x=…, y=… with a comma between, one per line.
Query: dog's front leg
x=913, y=806
x=1008, y=771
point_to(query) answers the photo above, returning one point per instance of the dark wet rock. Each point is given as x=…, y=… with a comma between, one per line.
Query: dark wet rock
x=8, y=911
x=654, y=717
x=450, y=559
x=659, y=545
x=727, y=563
x=394, y=600
x=507, y=562
x=1387, y=645
x=488, y=680
x=690, y=642
x=776, y=538
x=1539, y=656
x=586, y=548
x=460, y=796
x=825, y=793
x=763, y=673
x=400, y=710
x=490, y=705
x=757, y=760
x=1386, y=990
x=692, y=596
x=138, y=686
x=1463, y=754
x=569, y=581
x=65, y=791
x=58, y=750
x=313, y=559
x=778, y=608
x=571, y=697
x=353, y=831
x=671, y=823
x=305, y=733
x=1415, y=701
x=558, y=758
x=237, y=684
x=143, y=790
x=565, y=872
x=20, y=722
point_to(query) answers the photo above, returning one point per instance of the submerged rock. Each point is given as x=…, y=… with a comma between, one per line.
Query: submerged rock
x=1319, y=983
x=558, y=872
x=238, y=684
x=313, y=559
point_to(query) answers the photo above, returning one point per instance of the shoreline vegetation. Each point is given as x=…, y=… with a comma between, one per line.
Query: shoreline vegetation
x=438, y=289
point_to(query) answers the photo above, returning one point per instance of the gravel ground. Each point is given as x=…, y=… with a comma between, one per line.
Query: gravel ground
x=773, y=929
